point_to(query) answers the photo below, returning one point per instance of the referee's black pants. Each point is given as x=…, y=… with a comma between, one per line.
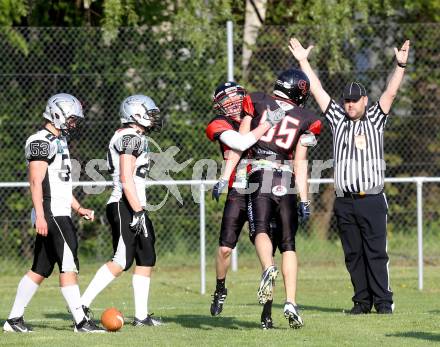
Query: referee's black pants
x=362, y=228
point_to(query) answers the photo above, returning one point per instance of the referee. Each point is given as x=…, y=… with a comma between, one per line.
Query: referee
x=360, y=205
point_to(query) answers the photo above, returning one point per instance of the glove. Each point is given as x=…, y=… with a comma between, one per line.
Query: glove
x=275, y=116
x=218, y=188
x=138, y=223
x=304, y=211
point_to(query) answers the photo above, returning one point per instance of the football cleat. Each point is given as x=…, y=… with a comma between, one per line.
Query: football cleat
x=87, y=312
x=265, y=290
x=16, y=325
x=291, y=312
x=149, y=321
x=87, y=326
x=266, y=323
x=218, y=299
x=266, y=316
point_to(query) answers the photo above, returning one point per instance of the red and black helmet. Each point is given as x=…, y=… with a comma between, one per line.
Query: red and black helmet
x=228, y=99
x=293, y=84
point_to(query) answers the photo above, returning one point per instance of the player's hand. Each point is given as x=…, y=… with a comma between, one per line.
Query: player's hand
x=138, y=223
x=304, y=211
x=298, y=51
x=275, y=116
x=218, y=188
x=402, y=54
x=41, y=226
x=86, y=213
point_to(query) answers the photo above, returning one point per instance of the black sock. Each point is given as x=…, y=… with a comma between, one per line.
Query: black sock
x=220, y=284
x=267, y=308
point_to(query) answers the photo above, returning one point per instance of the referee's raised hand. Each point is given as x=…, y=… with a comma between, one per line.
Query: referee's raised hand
x=298, y=51
x=402, y=54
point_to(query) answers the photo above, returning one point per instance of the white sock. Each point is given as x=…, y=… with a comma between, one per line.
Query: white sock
x=25, y=291
x=141, y=288
x=102, y=279
x=73, y=298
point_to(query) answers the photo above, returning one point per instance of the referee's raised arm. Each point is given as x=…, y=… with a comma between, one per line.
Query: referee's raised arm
x=387, y=98
x=301, y=54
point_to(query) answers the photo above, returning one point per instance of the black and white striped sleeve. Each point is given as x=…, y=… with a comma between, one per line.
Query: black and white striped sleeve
x=334, y=113
x=377, y=117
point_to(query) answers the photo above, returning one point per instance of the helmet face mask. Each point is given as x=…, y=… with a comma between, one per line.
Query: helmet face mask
x=141, y=110
x=294, y=85
x=65, y=112
x=72, y=127
x=228, y=100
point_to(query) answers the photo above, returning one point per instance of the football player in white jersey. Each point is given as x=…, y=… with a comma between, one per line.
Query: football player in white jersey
x=48, y=159
x=132, y=230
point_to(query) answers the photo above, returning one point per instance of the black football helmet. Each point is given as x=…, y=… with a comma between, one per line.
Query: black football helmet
x=294, y=85
x=228, y=100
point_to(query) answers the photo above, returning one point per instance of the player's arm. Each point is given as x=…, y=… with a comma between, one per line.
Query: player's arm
x=37, y=172
x=301, y=54
x=387, y=98
x=300, y=169
x=233, y=157
x=127, y=165
x=245, y=125
x=83, y=212
x=241, y=142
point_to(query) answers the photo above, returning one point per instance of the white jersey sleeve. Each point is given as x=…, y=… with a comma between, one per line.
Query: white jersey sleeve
x=128, y=141
x=57, y=183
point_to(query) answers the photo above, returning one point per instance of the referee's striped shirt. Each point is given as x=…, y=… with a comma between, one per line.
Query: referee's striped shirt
x=357, y=149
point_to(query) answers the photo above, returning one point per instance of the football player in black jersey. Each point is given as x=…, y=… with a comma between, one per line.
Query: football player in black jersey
x=272, y=180
x=224, y=128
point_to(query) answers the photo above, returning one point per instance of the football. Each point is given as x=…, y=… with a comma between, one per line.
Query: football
x=112, y=319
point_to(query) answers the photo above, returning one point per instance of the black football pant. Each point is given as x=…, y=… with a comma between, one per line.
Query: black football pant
x=362, y=228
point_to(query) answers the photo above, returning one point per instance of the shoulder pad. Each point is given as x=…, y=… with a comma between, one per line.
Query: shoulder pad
x=38, y=147
x=129, y=143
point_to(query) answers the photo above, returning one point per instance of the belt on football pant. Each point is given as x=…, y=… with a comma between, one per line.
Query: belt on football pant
x=262, y=164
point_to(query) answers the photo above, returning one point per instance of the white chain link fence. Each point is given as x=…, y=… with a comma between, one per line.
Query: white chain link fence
x=181, y=78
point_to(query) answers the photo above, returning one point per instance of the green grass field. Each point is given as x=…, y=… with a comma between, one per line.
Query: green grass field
x=323, y=294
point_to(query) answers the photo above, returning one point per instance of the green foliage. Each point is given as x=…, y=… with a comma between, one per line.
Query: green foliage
x=329, y=24
x=11, y=12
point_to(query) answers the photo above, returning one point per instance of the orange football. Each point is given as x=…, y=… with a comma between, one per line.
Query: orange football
x=112, y=319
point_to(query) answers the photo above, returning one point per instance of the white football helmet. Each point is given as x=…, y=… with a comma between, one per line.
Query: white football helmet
x=65, y=112
x=140, y=109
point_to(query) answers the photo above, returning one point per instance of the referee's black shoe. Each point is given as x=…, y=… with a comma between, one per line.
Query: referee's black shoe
x=384, y=309
x=359, y=308
x=218, y=299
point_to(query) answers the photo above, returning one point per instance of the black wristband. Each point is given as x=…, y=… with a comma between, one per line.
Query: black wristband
x=401, y=65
